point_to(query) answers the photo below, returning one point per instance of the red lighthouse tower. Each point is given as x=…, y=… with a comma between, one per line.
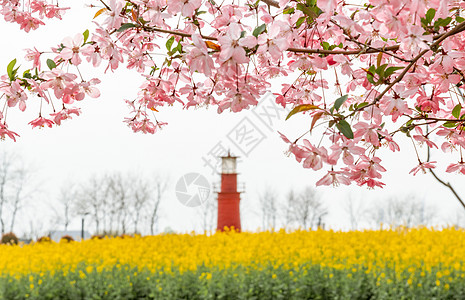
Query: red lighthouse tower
x=228, y=197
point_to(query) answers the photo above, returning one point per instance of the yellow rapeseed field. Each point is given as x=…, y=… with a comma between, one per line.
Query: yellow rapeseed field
x=399, y=250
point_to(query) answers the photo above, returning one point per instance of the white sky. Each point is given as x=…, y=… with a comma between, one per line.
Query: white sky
x=98, y=141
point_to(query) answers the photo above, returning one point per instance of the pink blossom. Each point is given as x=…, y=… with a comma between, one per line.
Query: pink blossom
x=371, y=183
x=34, y=56
x=16, y=95
x=422, y=167
x=35, y=88
x=41, y=122
x=368, y=132
x=272, y=42
x=58, y=80
x=366, y=168
x=421, y=138
x=114, y=19
x=314, y=157
x=72, y=48
x=198, y=58
x=4, y=131
x=64, y=114
x=89, y=89
x=72, y=92
x=27, y=22
x=231, y=45
x=186, y=7
x=334, y=178
x=92, y=54
x=347, y=149
x=395, y=105
x=414, y=40
x=458, y=167
x=145, y=125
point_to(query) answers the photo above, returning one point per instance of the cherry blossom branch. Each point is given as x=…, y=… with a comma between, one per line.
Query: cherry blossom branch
x=350, y=38
x=106, y=6
x=296, y=50
x=446, y=184
x=175, y=32
x=459, y=28
x=271, y=3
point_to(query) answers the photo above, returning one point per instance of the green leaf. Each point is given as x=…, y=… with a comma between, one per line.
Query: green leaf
x=456, y=111
x=86, y=35
x=9, y=69
x=27, y=74
x=288, y=11
x=300, y=21
x=339, y=101
x=371, y=78
x=389, y=71
x=361, y=105
x=305, y=9
x=430, y=15
x=325, y=45
x=301, y=108
x=311, y=2
x=51, y=64
x=169, y=43
x=179, y=47
x=126, y=26
x=257, y=31
x=442, y=22
x=459, y=19
x=450, y=124
x=380, y=69
x=345, y=129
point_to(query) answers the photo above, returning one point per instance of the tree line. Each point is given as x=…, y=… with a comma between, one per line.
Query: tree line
x=114, y=203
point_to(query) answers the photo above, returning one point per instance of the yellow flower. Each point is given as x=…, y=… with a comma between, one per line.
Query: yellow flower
x=82, y=275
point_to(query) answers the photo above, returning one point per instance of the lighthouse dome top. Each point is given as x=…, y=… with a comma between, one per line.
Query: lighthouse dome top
x=228, y=164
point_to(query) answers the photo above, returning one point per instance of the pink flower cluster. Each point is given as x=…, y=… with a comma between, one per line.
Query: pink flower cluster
x=363, y=77
x=30, y=13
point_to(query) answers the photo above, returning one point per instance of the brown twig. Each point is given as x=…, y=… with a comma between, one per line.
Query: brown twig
x=446, y=184
x=459, y=28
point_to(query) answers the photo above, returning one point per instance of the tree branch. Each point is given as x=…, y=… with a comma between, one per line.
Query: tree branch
x=457, y=29
x=446, y=184
x=271, y=3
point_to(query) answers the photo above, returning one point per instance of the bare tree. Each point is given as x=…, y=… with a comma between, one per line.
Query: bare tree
x=207, y=213
x=15, y=188
x=356, y=212
x=161, y=185
x=140, y=198
x=92, y=200
x=36, y=227
x=117, y=202
x=287, y=208
x=407, y=212
x=269, y=208
x=67, y=200
x=120, y=191
x=306, y=208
